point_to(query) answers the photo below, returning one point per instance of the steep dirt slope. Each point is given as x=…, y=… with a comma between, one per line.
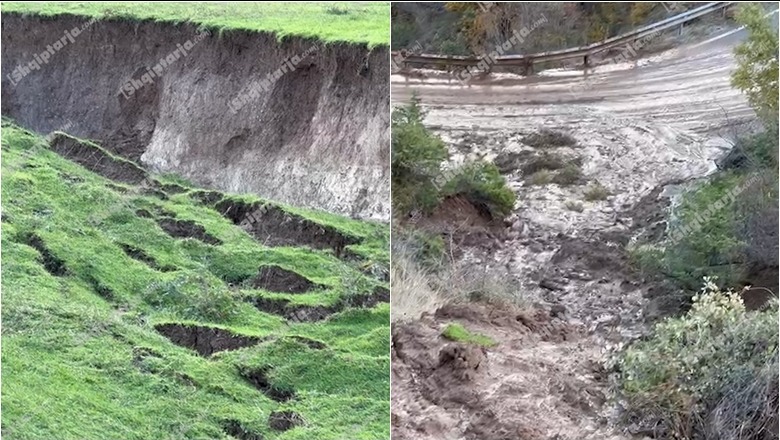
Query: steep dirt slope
x=318, y=136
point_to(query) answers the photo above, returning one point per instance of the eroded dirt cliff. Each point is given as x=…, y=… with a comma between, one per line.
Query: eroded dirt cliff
x=315, y=136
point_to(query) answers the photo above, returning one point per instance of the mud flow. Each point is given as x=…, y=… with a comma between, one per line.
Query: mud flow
x=593, y=162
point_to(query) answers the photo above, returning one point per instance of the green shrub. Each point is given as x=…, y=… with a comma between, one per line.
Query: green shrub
x=456, y=332
x=541, y=177
x=483, y=185
x=417, y=155
x=192, y=296
x=546, y=138
x=569, y=175
x=703, y=234
x=757, y=66
x=680, y=376
x=596, y=191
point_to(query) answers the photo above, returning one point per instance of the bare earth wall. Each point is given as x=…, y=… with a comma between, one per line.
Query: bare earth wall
x=319, y=137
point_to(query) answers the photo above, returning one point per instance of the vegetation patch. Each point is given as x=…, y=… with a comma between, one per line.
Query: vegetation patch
x=458, y=333
x=354, y=22
x=712, y=371
x=595, y=192
x=546, y=138
x=98, y=366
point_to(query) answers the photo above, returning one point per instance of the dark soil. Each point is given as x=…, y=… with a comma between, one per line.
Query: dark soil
x=284, y=420
x=325, y=117
x=273, y=226
x=304, y=313
x=208, y=198
x=205, y=340
x=276, y=279
x=139, y=254
x=236, y=429
x=259, y=379
x=97, y=160
x=51, y=263
x=187, y=229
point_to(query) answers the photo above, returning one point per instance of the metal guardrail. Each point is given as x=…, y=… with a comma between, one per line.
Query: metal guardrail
x=527, y=61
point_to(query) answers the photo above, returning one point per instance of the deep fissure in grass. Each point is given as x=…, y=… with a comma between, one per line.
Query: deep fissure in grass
x=50, y=262
x=187, y=229
x=307, y=313
x=278, y=279
x=205, y=340
x=258, y=377
x=139, y=254
x=273, y=226
x=98, y=238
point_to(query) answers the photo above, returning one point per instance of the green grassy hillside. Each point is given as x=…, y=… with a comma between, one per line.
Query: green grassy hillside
x=356, y=22
x=113, y=328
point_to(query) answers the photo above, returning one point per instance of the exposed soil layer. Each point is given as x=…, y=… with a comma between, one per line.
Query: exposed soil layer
x=305, y=313
x=276, y=279
x=318, y=137
x=259, y=379
x=50, y=262
x=273, y=226
x=236, y=429
x=187, y=229
x=453, y=390
x=205, y=340
x=97, y=160
x=284, y=420
x=139, y=254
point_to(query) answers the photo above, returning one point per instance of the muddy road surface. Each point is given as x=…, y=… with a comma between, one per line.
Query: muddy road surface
x=637, y=133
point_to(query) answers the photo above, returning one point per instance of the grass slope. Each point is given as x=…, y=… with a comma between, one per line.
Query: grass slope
x=357, y=22
x=81, y=358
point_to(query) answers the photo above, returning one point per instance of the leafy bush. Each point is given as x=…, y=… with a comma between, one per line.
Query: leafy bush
x=192, y=296
x=704, y=240
x=417, y=155
x=483, y=185
x=683, y=373
x=757, y=63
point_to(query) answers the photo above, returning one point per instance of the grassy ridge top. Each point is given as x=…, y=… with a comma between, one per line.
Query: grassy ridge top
x=359, y=22
x=81, y=353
